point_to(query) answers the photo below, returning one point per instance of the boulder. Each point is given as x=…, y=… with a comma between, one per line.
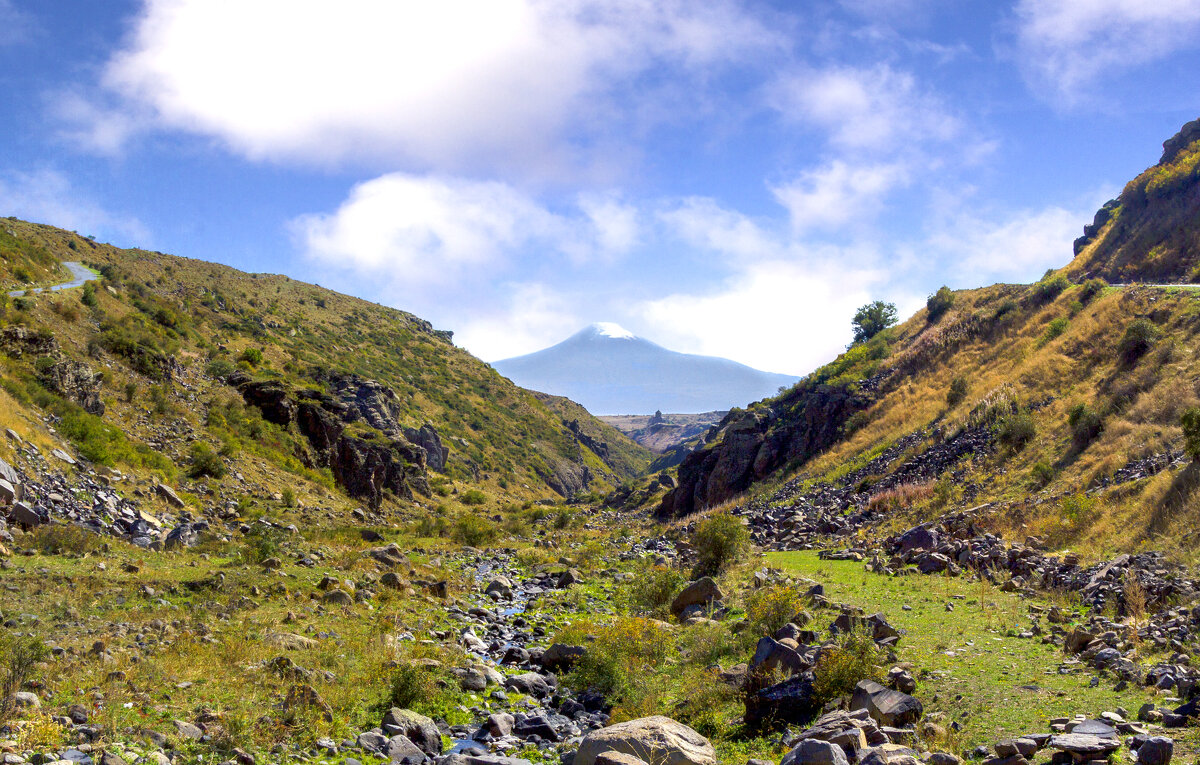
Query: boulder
x=169, y=496
x=659, y=740
x=887, y=707
x=417, y=728
x=815, y=752
x=618, y=758
x=918, y=538
x=1156, y=750
x=560, y=657
x=1084, y=746
x=703, y=592
x=24, y=515
x=529, y=683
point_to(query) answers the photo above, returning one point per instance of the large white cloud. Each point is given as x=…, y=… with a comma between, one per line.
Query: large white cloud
x=1064, y=46
x=864, y=108
x=838, y=193
x=414, y=231
x=532, y=317
x=445, y=85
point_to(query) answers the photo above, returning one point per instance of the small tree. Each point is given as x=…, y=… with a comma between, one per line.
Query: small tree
x=1139, y=337
x=1085, y=425
x=958, y=390
x=871, y=319
x=939, y=302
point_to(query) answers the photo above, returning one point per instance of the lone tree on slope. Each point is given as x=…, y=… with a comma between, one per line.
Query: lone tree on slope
x=871, y=319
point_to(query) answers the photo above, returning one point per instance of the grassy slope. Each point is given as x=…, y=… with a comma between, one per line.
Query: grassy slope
x=24, y=264
x=626, y=458
x=502, y=438
x=971, y=666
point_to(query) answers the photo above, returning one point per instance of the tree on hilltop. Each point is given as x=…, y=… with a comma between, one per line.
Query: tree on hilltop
x=871, y=319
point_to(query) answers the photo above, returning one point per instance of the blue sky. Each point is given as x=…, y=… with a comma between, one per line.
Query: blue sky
x=730, y=178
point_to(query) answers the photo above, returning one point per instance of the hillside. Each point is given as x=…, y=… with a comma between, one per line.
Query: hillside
x=1151, y=232
x=660, y=432
x=611, y=371
x=213, y=381
x=1055, y=405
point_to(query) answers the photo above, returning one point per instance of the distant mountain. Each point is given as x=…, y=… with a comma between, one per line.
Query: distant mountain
x=610, y=370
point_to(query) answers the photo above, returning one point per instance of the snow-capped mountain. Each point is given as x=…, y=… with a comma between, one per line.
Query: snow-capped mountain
x=609, y=370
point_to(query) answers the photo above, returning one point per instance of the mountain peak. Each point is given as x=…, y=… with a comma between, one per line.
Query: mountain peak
x=611, y=329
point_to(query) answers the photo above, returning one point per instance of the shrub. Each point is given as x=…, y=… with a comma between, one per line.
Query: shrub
x=1050, y=286
x=938, y=303
x=1016, y=430
x=1091, y=288
x=620, y=653
x=839, y=669
x=205, y=461
x=473, y=497
x=289, y=496
x=18, y=656
x=563, y=517
x=473, y=531
x=1055, y=328
x=958, y=390
x=719, y=540
x=219, y=369
x=1004, y=309
x=769, y=608
x=871, y=319
x=1085, y=424
x=411, y=686
x=88, y=296
x=1042, y=473
x=1140, y=336
x=653, y=589
x=252, y=356
x=1190, y=422
x=260, y=543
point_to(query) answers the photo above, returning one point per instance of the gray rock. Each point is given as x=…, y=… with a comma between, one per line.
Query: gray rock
x=418, y=728
x=560, y=657
x=887, y=707
x=703, y=592
x=814, y=752
x=1156, y=750
x=657, y=739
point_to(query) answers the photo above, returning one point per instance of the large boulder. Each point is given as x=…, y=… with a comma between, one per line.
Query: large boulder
x=560, y=656
x=703, y=592
x=417, y=728
x=659, y=740
x=792, y=701
x=887, y=707
x=814, y=752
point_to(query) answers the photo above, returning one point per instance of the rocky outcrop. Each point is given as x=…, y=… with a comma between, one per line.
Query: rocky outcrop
x=75, y=382
x=1148, y=233
x=426, y=437
x=364, y=463
x=755, y=443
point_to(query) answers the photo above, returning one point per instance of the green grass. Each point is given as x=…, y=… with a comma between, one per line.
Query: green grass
x=1008, y=685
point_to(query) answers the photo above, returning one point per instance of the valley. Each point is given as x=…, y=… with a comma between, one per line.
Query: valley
x=251, y=520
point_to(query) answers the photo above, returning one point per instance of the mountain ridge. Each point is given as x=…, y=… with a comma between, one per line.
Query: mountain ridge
x=612, y=371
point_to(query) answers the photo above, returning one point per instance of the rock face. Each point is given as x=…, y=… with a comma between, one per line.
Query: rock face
x=436, y=454
x=1155, y=213
x=656, y=739
x=76, y=382
x=365, y=464
x=757, y=442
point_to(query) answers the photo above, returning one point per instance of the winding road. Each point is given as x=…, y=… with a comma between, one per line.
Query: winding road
x=79, y=274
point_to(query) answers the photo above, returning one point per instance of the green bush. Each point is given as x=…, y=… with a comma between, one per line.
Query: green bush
x=252, y=356
x=1085, y=423
x=88, y=296
x=1140, y=336
x=473, y=497
x=653, y=589
x=289, y=496
x=1016, y=430
x=839, y=669
x=411, y=686
x=769, y=608
x=64, y=539
x=205, y=461
x=938, y=303
x=619, y=654
x=719, y=541
x=958, y=390
x=1042, y=473
x=1050, y=286
x=18, y=657
x=473, y=531
x=1055, y=328
x=1190, y=422
x=219, y=369
x=1091, y=288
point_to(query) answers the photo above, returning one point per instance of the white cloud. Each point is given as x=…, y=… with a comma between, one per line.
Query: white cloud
x=701, y=222
x=519, y=84
x=414, y=231
x=533, y=317
x=1018, y=247
x=838, y=193
x=873, y=108
x=1065, y=45
x=47, y=196
x=90, y=126
x=780, y=316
